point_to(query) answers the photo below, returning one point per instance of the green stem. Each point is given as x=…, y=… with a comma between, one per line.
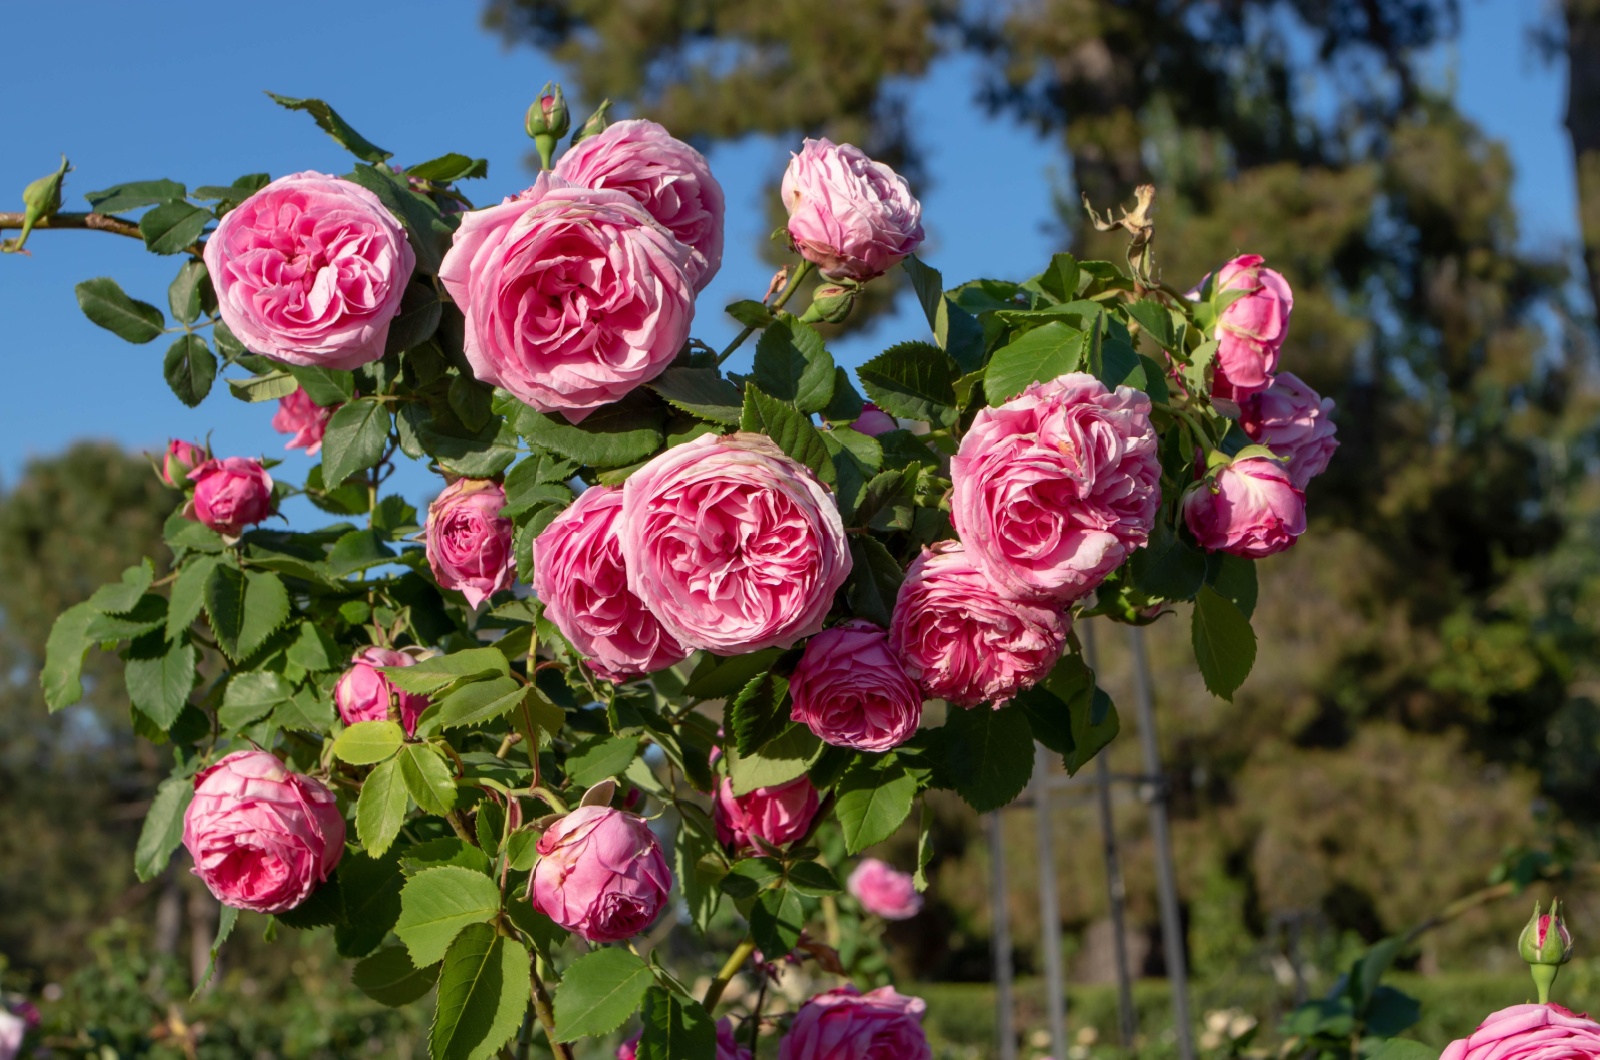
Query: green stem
x=730, y=968
x=546, y=1013
x=1544, y=976
x=788, y=292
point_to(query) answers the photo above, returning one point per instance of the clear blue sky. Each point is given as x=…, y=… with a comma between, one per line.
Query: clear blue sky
x=174, y=90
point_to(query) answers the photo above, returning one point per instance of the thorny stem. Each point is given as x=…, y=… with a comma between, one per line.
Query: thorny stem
x=730, y=968
x=794, y=285
x=546, y=1014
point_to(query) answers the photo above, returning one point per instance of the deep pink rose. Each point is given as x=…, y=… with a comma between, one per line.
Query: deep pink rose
x=669, y=179
x=852, y=691
x=1294, y=421
x=845, y=1024
x=230, y=495
x=573, y=296
x=262, y=838
x=1251, y=330
x=579, y=576
x=1530, y=1032
x=601, y=873
x=1251, y=509
x=1055, y=488
x=965, y=642
x=728, y=1047
x=883, y=891
x=874, y=421
x=310, y=270
x=363, y=693
x=303, y=418
x=779, y=814
x=181, y=458
x=732, y=545
x=855, y=218
x=469, y=542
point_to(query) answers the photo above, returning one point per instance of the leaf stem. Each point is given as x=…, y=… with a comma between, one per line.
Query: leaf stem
x=794, y=285
x=730, y=968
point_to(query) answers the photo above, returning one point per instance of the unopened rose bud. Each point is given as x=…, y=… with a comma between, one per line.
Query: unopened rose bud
x=830, y=304
x=594, y=123
x=548, y=121
x=181, y=458
x=40, y=200
x=1546, y=945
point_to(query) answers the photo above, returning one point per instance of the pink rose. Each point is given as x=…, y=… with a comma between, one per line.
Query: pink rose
x=874, y=421
x=852, y=691
x=601, y=873
x=965, y=642
x=12, y=1030
x=1530, y=1032
x=845, y=1024
x=884, y=892
x=855, y=218
x=579, y=575
x=732, y=545
x=779, y=814
x=303, y=418
x=262, y=838
x=1292, y=420
x=666, y=176
x=573, y=296
x=1251, y=330
x=310, y=270
x=728, y=1048
x=1056, y=487
x=229, y=495
x=1251, y=509
x=469, y=543
x=363, y=693
x=181, y=458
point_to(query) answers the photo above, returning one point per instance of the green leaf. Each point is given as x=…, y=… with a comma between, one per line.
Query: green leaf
x=133, y=195
x=776, y=920
x=227, y=917
x=1071, y=715
x=160, y=687
x=792, y=365
x=1232, y=576
x=389, y=978
x=251, y=696
x=1042, y=354
x=306, y=711
x=480, y=701
x=700, y=392
x=888, y=501
x=1120, y=365
x=780, y=760
x=928, y=285
x=676, y=1028
x=716, y=677
x=314, y=650
x=875, y=579
x=327, y=387
x=162, y=830
x=324, y=907
x=1155, y=319
x=759, y=712
x=600, y=757
x=450, y=167
x=367, y=742
x=105, y=304
x=357, y=551
x=483, y=994
x=428, y=778
x=1224, y=643
x=230, y=195
x=791, y=430
x=418, y=319
x=190, y=369
x=328, y=121
x=812, y=879
x=426, y=230
x=1168, y=567
x=120, y=597
x=69, y=641
x=430, y=675
x=188, y=593
x=445, y=851
x=381, y=807
x=616, y=435
x=750, y=313
x=912, y=380
x=598, y=991
x=268, y=387
x=435, y=905
x=989, y=755
x=172, y=227
x=370, y=890
x=846, y=404
x=150, y=614
x=245, y=608
x=186, y=292
x=874, y=797
x=919, y=878
x=354, y=439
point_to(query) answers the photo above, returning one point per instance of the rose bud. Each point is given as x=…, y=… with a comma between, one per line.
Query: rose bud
x=874, y=421
x=181, y=458
x=1250, y=330
x=548, y=115
x=852, y=691
x=579, y=576
x=601, y=873
x=843, y=1022
x=363, y=693
x=1054, y=489
x=1293, y=421
x=594, y=124
x=884, y=892
x=1546, y=939
x=310, y=270
x=262, y=838
x=965, y=642
x=853, y=217
x=302, y=418
x=468, y=541
x=229, y=495
x=1250, y=508
x=1529, y=1032
x=728, y=1047
x=732, y=545
x=779, y=814
x=830, y=304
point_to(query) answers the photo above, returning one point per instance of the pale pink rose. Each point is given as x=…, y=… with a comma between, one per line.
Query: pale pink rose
x=965, y=642
x=1293, y=421
x=262, y=838
x=573, y=296
x=874, y=421
x=363, y=692
x=601, y=873
x=845, y=1024
x=469, y=542
x=779, y=814
x=229, y=495
x=579, y=576
x=12, y=1030
x=303, y=418
x=728, y=1047
x=732, y=545
x=1530, y=1032
x=310, y=270
x=852, y=691
x=1251, y=330
x=1055, y=488
x=670, y=179
x=1250, y=509
x=882, y=891
x=181, y=458
x=855, y=218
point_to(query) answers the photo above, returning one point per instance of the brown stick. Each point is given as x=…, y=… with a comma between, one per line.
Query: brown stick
x=98, y=222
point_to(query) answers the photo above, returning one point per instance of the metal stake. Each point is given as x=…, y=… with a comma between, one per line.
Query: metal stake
x=1049, y=904
x=1117, y=892
x=1005, y=1013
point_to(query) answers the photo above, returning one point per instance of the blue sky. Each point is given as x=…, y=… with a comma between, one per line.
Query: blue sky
x=133, y=92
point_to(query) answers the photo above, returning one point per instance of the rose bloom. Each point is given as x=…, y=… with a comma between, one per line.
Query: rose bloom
x=1530, y=1032
x=579, y=576
x=262, y=838
x=469, y=542
x=845, y=1024
x=732, y=545
x=853, y=217
x=181, y=458
x=601, y=873
x=852, y=691
x=363, y=693
x=965, y=642
x=229, y=495
x=670, y=179
x=779, y=814
x=883, y=891
x=303, y=418
x=728, y=1047
x=12, y=1030
x=874, y=421
x=1294, y=421
x=1251, y=509
x=573, y=296
x=1251, y=330
x=310, y=270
